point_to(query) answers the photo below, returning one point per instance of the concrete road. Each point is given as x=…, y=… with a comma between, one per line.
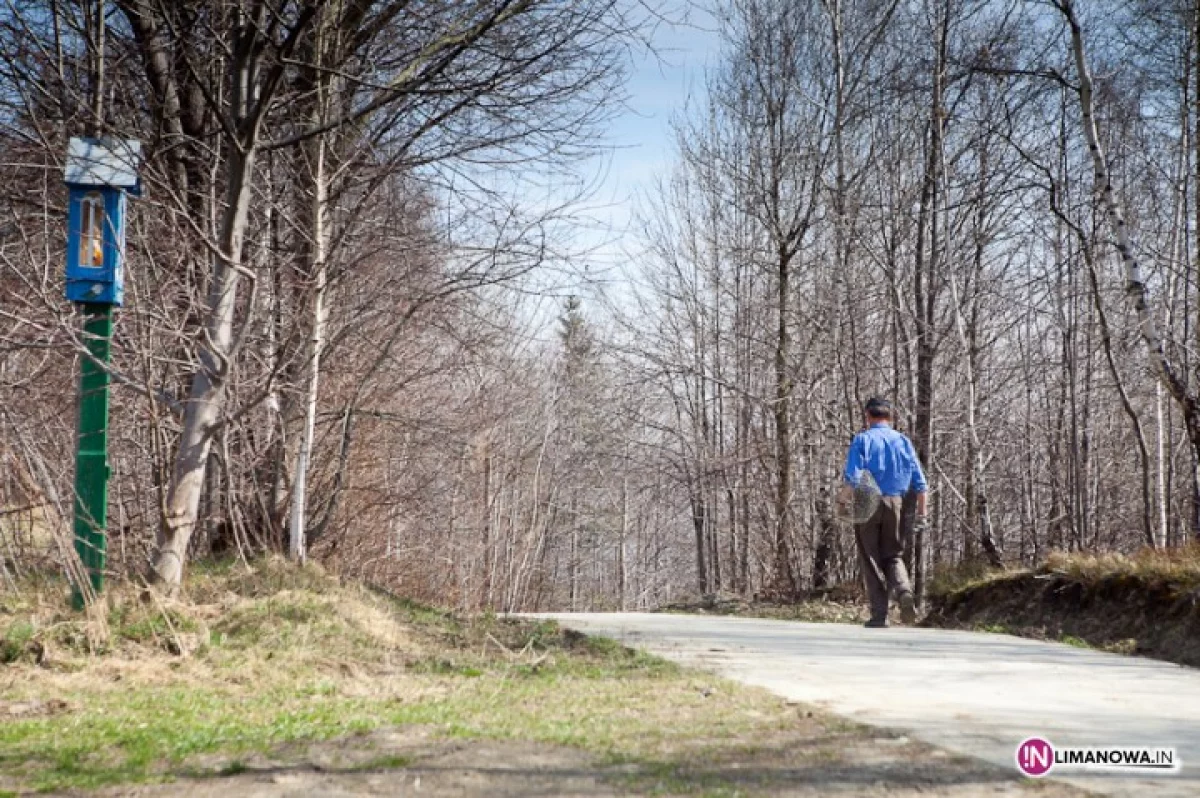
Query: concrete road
x=971, y=693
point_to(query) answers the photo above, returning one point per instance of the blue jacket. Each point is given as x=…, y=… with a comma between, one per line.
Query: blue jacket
x=890, y=458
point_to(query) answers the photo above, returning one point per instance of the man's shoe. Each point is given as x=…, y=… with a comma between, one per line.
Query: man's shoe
x=908, y=609
x=875, y=623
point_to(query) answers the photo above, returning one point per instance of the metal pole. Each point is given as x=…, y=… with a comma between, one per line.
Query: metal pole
x=91, y=459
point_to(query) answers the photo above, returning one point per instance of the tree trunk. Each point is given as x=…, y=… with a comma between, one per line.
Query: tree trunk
x=622, y=569
x=924, y=293
x=203, y=409
x=826, y=529
x=297, y=548
x=1195, y=67
x=698, y=522
x=979, y=517
x=785, y=580
x=1135, y=285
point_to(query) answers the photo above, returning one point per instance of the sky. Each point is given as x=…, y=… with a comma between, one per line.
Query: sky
x=638, y=148
x=661, y=78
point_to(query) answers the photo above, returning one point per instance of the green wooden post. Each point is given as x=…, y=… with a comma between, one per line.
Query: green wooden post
x=91, y=459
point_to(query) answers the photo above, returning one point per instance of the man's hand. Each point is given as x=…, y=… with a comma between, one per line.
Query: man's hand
x=844, y=497
x=920, y=525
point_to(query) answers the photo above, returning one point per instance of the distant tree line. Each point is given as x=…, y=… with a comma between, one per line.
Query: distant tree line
x=985, y=211
x=333, y=344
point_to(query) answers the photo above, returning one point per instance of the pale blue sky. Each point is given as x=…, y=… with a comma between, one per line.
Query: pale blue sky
x=684, y=43
x=638, y=148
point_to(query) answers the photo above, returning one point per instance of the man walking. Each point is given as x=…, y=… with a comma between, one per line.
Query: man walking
x=889, y=457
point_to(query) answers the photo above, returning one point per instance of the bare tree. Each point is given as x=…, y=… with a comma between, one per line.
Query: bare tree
x=1135, y=284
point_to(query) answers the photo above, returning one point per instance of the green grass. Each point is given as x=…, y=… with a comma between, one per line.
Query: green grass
x=16, y=640
x=310, y=660
x=129, y=736
x=620, y=705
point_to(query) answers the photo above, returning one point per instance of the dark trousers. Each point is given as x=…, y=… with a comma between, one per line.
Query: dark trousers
x=879, y=550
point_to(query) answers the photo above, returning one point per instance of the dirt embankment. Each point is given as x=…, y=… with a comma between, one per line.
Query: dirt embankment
x=1117, y=604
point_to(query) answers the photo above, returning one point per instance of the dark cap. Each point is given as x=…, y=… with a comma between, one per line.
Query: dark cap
x=877, y=407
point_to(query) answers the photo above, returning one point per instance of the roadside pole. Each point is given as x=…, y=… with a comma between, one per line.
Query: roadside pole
x=100, y=174
x=91, y=455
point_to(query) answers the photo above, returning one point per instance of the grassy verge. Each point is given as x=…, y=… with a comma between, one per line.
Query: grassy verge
x=1147, y=603
x=842, y=604
x=254, y=664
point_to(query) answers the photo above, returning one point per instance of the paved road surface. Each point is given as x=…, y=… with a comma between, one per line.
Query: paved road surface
x=971, y=693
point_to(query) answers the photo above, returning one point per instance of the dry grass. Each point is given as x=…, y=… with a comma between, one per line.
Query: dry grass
x=1145, y=603
x=841, y=604
x=252, y=660
x=1177, y=567
x=277, y=667
x=303, y=613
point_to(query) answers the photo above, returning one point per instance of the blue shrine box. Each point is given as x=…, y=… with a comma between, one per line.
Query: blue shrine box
x=100, y=174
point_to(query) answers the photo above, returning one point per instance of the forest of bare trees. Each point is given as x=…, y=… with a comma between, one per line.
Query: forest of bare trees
x=336, y=344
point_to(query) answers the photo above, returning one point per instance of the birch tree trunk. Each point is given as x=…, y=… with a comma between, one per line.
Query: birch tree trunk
x=1148, y=500
x=297, y=548
x=322, y=86
x=1135, y=284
